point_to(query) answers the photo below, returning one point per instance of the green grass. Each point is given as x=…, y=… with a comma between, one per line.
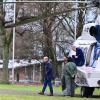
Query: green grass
x=27, y=87
x=32, y=97
x=37, y=97
x=36, y=88
x=19, y=87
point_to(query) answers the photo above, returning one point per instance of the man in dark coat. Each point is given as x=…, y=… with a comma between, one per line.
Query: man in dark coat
x=79, y=57
x=48, y=76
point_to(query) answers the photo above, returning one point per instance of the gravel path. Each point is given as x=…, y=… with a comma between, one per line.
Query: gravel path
x=7, y=91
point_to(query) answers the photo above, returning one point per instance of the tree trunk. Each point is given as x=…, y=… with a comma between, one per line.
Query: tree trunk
x=6, y=39
x=80, y=20
x=5, y=63
x=48, y=46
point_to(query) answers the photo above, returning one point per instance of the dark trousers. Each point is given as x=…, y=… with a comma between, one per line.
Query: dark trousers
x=47, y=82
x=72, y=87
x=63, y=83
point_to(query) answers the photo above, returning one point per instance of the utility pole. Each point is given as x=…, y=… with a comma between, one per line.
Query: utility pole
x=14, y=17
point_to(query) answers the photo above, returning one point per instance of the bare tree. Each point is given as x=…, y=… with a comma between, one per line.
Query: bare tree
x=81, y=19
x=44, y=13
x=6, y=37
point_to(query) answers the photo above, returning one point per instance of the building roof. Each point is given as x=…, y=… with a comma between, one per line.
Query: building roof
x=21, y=63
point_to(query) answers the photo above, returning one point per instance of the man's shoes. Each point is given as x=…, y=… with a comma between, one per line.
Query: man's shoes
x=50, y=95
x=41, y=93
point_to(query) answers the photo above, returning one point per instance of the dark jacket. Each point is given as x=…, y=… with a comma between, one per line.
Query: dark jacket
x=97, y=35
x=79, y=61
x=48, y=70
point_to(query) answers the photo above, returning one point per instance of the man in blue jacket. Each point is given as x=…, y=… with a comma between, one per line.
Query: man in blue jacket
x=48, y=76
x=95, y=47
x=79, y=57
x=95, y=31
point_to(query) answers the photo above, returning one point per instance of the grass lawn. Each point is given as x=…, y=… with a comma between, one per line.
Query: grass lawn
x=37, y=97
x=32, y=97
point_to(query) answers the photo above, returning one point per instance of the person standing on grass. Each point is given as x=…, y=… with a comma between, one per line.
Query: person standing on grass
x=69, y=74
x=62, y=76
x=47, y=77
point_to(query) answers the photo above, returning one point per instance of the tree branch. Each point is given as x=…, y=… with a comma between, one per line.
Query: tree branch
x=23, y=20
